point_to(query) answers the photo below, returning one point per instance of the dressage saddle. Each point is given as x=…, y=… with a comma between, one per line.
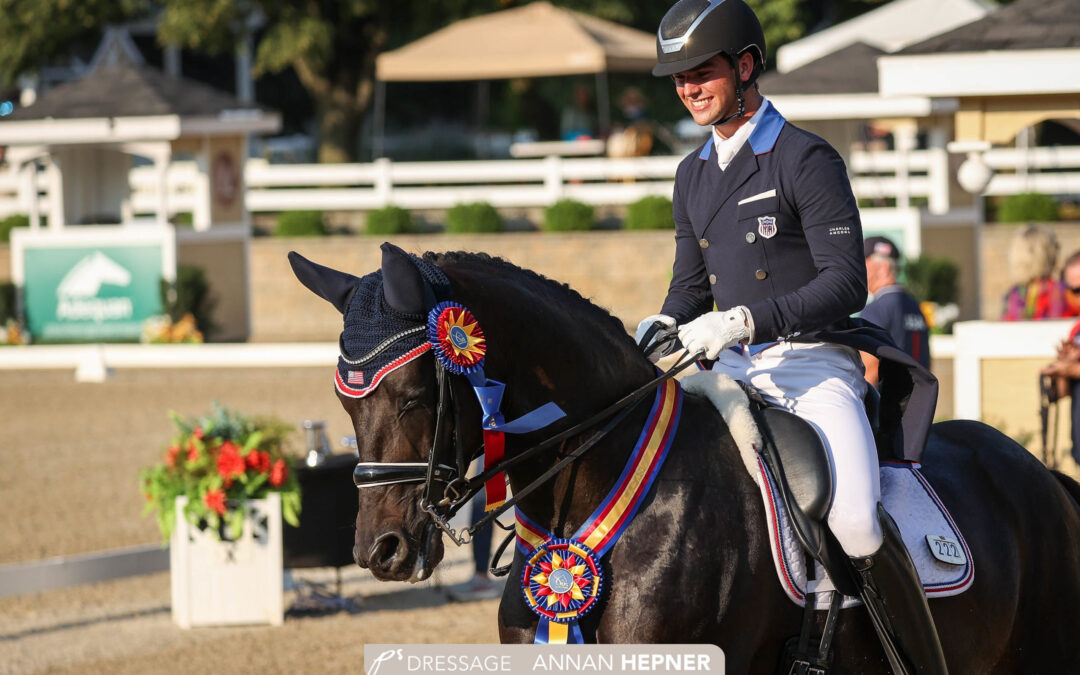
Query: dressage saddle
x=798, y=461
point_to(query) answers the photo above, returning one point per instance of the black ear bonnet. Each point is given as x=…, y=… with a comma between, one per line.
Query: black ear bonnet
x=385, y=314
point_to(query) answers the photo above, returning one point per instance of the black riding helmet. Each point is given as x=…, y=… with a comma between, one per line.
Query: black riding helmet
x=694, y=31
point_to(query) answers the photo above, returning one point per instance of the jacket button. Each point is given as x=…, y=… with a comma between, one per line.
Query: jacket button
x=712, y=278
x=751, y=237
x=703, y=243
x=761, y=274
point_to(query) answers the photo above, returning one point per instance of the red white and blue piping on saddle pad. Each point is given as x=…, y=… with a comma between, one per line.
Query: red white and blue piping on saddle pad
x=937, y=547
x=563, y=578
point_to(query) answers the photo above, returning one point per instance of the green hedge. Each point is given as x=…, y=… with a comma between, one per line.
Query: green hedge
x=650, y=213
x=300, y=224
x=567, y=215
x=474, y=217
x=933, y=279
x=1028, y=207
x=7, y=302
x=189, y=295
x=10, y=223
x=389, y=220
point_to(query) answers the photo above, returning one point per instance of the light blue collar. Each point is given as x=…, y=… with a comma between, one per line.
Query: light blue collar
x=766, y=130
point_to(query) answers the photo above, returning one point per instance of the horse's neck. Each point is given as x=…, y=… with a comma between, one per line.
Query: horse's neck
x=566, y=501
x=703, y=453
x=547, y=345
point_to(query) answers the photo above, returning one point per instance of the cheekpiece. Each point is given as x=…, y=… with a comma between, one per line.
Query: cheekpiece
x=457, y=339
x=562, y=580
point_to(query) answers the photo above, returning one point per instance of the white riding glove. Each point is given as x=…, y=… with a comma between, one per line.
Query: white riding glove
x=714, y=332
x=663, y=340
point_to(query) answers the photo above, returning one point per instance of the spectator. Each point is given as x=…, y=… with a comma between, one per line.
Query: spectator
x=1036, y=294
x=892, y=307
x=576, y=121
x=1065, y=369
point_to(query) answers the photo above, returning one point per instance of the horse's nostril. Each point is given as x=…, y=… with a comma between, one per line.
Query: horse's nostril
x=387, y=552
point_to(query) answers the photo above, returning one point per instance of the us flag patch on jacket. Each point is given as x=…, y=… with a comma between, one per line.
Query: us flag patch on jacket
x=356, y=377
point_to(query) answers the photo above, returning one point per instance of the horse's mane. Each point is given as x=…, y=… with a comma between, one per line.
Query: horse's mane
x=559, y=289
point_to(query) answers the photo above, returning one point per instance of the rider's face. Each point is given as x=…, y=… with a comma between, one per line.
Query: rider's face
x=708, y=90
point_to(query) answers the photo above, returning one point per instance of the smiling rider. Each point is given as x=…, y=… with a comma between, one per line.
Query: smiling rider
x=767, y=229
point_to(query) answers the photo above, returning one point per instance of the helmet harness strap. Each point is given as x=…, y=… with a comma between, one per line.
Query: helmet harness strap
x=734, y=62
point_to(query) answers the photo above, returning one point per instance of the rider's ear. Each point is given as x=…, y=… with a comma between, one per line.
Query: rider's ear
x=335, y=287
x=403, y=287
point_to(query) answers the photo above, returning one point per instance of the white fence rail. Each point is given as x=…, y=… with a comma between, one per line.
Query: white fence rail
x=1045, y=170
x=904, y=177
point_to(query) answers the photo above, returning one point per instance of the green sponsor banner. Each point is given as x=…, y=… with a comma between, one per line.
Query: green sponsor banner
x=91, y=293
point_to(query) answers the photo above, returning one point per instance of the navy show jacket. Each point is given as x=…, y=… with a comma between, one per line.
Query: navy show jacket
x=778, y=231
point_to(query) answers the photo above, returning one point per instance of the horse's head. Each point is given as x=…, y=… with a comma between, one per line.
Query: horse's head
x=413, y=407
x=386, y=383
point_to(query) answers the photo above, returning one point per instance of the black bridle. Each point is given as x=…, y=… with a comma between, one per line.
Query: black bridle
x=458, y=489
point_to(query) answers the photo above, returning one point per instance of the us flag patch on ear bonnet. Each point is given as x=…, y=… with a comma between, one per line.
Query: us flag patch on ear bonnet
x=377, y=339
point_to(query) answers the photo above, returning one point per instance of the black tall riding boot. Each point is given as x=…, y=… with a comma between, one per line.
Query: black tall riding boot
x=893, y=594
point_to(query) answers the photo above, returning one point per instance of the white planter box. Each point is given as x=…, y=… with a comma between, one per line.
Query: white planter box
x=220, y=583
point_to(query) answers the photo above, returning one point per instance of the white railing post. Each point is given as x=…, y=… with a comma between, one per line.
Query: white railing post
x=28, y=194
x=938, y=175
x=56, y=193
x=553, y=178
x=938, y=171
x=384, y=181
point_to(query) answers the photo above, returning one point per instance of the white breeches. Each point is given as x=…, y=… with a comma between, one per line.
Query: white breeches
x=824, y=385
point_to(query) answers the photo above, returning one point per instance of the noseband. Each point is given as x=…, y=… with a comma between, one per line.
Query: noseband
x=381, y=474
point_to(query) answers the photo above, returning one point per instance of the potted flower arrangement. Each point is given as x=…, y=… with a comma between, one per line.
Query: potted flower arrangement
x=218, y=461
x=220, y=493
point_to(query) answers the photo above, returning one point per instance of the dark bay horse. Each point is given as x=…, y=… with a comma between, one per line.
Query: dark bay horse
x=695, y=564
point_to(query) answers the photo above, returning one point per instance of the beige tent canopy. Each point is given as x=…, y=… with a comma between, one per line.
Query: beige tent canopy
x=537, y=40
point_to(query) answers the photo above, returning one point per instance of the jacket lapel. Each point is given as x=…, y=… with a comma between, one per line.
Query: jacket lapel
x=727, y=182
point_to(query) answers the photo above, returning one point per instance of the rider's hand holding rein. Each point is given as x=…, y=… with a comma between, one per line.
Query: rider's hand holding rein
x=713, y=332
x=662, y=341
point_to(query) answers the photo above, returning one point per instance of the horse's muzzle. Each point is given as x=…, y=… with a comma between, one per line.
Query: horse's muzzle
x=391, y=557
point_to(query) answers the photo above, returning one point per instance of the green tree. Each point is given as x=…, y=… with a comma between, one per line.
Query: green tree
x=32, y=32
x=330, y=44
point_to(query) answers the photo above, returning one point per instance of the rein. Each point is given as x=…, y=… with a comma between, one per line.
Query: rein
x=462, y=489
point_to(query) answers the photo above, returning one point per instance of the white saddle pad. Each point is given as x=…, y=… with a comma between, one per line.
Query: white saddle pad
x=937, y=548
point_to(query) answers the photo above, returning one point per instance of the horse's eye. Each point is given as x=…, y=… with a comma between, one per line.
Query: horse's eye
x=411, y=404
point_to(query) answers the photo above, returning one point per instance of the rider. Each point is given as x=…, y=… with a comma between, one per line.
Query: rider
x=767, y=229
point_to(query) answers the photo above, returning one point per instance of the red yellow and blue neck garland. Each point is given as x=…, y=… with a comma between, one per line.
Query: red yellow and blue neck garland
x=563, y=578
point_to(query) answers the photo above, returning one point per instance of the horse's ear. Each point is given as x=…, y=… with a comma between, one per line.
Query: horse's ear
x=403, y=287
x=335, y=287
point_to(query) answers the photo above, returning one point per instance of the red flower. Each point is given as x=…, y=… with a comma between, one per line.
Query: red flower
x=278, y=473
x=215, y=501
x=229, y=462
x=170, y=455
x=259, y=460
x=198, y=433
x=193, y=452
